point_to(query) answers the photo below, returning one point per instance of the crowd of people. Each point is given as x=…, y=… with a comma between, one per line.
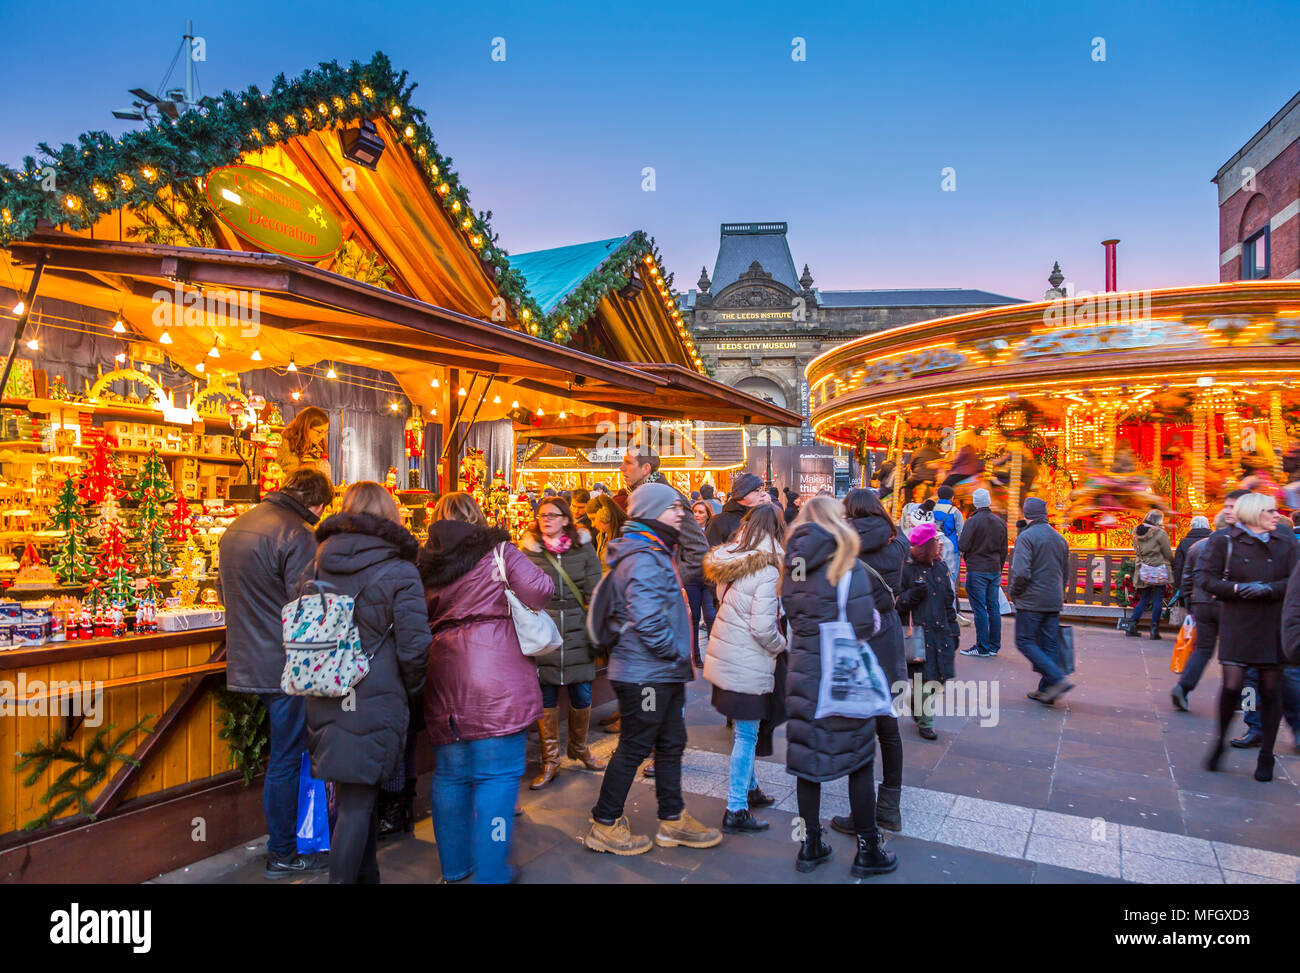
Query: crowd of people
x=659, y=587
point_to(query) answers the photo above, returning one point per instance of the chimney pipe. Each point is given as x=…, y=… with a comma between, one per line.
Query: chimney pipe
x=1110, y=264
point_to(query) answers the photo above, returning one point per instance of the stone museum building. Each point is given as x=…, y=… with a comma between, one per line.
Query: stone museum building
x=758, y=322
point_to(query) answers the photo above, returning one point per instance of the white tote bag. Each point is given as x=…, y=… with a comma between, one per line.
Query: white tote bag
x=852, y=685
x=536, y=629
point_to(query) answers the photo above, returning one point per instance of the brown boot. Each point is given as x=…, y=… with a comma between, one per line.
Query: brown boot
x=686, y=831
x=579, y=720
x=548, y=727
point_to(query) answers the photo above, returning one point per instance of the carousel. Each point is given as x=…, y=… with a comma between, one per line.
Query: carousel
x=1105, y=406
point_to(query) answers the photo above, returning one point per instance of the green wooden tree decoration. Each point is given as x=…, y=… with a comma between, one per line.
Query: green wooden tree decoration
x=78, y=782
x=72, y=562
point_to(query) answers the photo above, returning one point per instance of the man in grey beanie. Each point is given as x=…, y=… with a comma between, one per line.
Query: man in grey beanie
x=983, y=543
x=1040, y=573
x=641, y=466
x=649, y=667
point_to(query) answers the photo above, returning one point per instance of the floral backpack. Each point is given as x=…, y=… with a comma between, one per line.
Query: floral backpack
x=322, y=647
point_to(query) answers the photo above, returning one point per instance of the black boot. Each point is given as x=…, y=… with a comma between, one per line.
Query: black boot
x=871, y=858
x=390, y=813
x=888, y=813
x=742, y=822
x=812, y=852
x=408, y=806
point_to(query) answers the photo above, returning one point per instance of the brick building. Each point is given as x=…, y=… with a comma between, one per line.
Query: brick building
x=1259, y=200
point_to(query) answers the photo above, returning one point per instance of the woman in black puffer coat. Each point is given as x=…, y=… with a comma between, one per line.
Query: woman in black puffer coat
x=562, y=549
x=883, y=552
x=358, y=741
x=925, y=601
x=821, y=548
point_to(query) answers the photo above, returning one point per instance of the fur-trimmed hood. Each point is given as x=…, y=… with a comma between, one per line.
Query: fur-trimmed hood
x=532, y=541
x=454, y=548
x=726, y=565
x=351, y=542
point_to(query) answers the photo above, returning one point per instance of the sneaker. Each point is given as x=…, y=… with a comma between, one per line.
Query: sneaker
x=1179, y=697
x=974, y=650
x=296, y=865
x=616, y=838
x=686, y=831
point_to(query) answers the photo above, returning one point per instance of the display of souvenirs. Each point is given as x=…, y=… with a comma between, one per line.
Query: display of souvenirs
x=32, y=572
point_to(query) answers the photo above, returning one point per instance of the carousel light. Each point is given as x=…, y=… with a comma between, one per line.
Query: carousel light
x=119, y=327
x=291, y=367
x=434, y=384
x=514, y=404
x=496, y=400
x=540, y=412
x=1205, y=380
x=256, y=355
x=561, y=415
x=461, y=391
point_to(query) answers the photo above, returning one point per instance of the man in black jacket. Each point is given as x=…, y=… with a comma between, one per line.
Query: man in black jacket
x=746, y=491
x=263, y=556
x=1039, y=576
x=983, y=543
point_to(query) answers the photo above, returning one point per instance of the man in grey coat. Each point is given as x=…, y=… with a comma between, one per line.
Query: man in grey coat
x=1039, y=576
x=263, y=556
x=641, y=465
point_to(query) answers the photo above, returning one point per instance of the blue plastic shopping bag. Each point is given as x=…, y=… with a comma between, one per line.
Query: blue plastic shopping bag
x=313, y=811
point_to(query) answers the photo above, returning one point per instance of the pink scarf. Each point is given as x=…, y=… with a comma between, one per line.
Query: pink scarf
x=559, y=545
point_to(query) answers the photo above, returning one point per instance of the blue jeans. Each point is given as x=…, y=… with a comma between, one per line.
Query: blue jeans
x=982, y=592
x=280, y=789
x=1153, y=597
x=742, y=780
x=579, y=695
x=1290, y=701
x=475, y=785
x=1038, y=639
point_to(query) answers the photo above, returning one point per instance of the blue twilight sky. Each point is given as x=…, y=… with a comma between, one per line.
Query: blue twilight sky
x=1053, y=151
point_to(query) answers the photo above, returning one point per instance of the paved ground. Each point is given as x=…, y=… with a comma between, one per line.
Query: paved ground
x=1106, y=786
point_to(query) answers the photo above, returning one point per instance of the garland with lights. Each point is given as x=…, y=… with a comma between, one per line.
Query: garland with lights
x=155, y=170
x=101, y=174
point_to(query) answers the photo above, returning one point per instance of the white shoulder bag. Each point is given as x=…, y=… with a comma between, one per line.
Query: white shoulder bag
x=536, y=630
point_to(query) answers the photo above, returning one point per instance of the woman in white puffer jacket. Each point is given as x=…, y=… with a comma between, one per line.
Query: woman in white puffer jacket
x=743, y=647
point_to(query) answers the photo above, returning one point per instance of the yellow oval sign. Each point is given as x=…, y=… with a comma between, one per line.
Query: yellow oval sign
x=273, y=213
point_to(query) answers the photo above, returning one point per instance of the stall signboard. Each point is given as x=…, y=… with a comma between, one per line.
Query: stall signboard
x=816, y=472
x=273, y=213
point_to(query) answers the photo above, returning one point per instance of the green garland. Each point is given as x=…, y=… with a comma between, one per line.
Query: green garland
x=92, y=768
x=246, y=728
x=101, y=174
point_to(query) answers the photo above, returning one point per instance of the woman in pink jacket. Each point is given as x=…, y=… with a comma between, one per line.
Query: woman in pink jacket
x=480, y=692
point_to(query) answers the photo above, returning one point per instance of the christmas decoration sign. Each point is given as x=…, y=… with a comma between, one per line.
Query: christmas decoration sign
x=273, y=213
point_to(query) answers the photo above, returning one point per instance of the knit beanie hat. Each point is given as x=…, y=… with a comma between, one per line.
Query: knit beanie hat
x=981, y=498
x=1035, y=508
x=922, y=534
x=649, y=500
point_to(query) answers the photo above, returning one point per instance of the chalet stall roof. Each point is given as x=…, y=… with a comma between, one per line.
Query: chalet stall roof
x=419, y=283
x=334, y=317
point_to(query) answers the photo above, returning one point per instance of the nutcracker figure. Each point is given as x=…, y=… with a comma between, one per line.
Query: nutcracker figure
x=117, y=620
x=85, y=624
x=414, y=448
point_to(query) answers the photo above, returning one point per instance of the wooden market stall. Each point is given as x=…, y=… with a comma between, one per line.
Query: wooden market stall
x=272, y=239
x=1104, y=406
